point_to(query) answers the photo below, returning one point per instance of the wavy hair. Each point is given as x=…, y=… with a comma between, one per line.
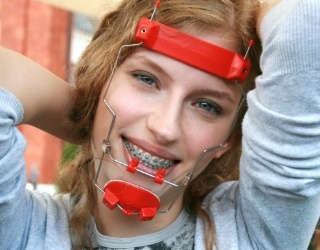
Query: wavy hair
x=235, y=18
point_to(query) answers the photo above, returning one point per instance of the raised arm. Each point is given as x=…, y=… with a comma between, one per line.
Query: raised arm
x=266, y=6
x=280, y=167
x=46, y=99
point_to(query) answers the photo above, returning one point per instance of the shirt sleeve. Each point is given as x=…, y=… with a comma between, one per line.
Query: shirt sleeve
x=280, y=165
x=28, y=220
x=13, y=217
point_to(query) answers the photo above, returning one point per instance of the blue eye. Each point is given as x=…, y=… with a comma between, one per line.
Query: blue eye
x=209, y=107
x=145, y=78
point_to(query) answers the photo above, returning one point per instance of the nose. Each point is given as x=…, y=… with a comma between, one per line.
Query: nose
x=164, y=121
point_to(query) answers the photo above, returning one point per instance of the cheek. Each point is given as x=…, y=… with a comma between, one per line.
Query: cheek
x=206, y=136
x=205, y=156
x=126, y=109
x=206, y=142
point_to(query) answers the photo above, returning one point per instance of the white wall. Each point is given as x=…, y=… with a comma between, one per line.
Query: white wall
x=92, y=8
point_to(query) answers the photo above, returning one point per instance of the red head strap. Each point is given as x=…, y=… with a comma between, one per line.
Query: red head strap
x=191, y=50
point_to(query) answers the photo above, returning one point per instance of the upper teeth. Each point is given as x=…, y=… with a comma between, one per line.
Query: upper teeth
x=146, y=158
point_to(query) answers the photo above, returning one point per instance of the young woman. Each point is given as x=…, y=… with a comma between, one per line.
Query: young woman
x=158, y=110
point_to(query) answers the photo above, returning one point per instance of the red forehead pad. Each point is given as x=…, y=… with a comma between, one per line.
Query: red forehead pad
x=192, y=51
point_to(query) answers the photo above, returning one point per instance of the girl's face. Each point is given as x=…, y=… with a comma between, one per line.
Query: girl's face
x=167, y=111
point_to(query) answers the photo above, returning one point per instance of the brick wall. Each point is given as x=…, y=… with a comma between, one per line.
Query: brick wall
x=42, y=33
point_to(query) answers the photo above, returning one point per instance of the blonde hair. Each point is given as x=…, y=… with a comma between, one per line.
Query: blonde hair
x=236, y=18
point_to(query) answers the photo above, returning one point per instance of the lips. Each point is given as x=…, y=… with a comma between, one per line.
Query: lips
x=147, y=159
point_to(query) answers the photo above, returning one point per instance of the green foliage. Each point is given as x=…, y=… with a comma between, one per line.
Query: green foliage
x=69, y=151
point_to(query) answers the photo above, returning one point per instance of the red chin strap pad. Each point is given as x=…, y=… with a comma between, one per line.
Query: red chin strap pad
x=131, y=199
x=191, y=50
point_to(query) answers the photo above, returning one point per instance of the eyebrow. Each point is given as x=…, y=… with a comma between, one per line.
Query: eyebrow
x=146, y=61
x=215, y=93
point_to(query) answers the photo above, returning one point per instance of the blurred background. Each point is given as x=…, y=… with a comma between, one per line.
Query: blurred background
x=54, y=33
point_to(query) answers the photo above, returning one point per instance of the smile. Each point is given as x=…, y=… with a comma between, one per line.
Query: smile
x=146, y=158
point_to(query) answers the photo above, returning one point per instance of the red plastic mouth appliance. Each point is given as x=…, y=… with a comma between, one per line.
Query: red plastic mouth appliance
x=192, y=51
x=131, y=199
